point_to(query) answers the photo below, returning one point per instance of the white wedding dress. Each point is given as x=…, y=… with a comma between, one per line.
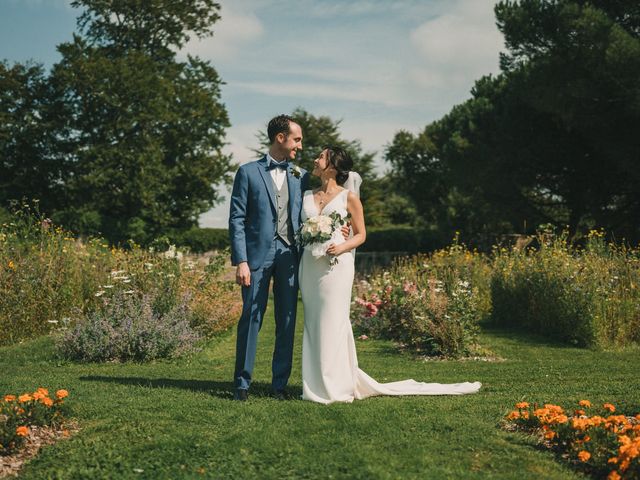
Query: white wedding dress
x=330, y=370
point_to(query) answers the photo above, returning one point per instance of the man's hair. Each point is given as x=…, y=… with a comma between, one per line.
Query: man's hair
x=279, y=124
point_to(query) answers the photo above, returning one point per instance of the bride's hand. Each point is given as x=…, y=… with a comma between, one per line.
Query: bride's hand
x=334, y=249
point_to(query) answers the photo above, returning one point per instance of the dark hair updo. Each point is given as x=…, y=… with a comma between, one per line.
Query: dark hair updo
x=341, y=161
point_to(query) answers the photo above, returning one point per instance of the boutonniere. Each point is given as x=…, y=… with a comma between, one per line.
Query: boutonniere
x=295, y=170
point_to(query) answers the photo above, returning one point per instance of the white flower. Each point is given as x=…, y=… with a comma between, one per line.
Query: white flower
x=100, y=293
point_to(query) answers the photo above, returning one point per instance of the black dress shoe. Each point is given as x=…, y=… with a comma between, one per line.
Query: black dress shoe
x=241, y=394
x=280, y=395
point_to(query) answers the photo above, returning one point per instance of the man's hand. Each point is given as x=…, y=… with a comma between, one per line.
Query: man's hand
x=243, y=274
x=346, y=229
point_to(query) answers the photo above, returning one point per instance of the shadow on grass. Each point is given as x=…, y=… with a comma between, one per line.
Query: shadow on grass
x=218, y=389
x=526, y=338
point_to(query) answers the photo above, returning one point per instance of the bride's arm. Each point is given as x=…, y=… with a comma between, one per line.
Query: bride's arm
x=354, y=207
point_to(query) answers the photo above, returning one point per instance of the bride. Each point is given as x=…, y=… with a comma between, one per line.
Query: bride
x=330, y=370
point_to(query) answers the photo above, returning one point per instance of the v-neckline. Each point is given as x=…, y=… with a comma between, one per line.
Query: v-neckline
x=320, y=210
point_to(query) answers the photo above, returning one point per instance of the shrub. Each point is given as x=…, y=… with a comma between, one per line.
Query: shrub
x=128, y=327
x=200, y=240
x=399, y=239
x=48, y=277
x=428, y=303
x=585, y=297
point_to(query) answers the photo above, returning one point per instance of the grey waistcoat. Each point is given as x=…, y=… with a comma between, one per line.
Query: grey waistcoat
x=284, y=227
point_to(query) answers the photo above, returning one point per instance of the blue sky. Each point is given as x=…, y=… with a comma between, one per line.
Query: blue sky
x=377, y=65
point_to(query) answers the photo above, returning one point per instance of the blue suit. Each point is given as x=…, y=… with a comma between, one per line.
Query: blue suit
x=252, y=230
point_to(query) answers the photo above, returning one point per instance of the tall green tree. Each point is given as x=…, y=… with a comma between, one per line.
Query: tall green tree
x=145, y=130
x=29, y=166
x=551, y=139
x=137, y=133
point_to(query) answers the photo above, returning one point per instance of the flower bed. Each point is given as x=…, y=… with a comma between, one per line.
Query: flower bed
x=20, y=413
x=432, y=304
x=594, y=440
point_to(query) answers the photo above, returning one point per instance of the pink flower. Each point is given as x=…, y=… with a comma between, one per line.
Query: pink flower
x=410, y=287
x=372, y=310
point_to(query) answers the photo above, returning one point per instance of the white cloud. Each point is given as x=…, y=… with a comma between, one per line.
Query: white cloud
x=236, y=29
x=463, y=42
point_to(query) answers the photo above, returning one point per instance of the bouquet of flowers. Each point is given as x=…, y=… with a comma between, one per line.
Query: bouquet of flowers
x=320, y=231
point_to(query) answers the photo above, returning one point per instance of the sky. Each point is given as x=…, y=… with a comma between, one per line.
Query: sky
x=378, y=66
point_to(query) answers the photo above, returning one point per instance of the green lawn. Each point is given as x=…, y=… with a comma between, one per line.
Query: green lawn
x=177, y=419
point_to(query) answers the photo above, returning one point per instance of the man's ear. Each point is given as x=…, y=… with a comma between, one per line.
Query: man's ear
x=281, y=137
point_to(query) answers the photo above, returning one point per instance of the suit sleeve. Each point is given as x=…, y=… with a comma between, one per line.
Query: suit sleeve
x=237, y=217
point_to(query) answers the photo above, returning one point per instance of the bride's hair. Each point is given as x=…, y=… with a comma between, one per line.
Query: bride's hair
x=341, y=161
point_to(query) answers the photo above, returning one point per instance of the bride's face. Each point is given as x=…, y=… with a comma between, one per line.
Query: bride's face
x=320, y=164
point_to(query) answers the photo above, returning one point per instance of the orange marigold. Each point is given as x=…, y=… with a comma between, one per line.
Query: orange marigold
x=38, y=395
x=22, y=431
x=513, y=415
x=613, y=476
x=550, y=435
x=9, y=398
x=43, y=391
x=60, y=394
x=585, y=403
x=579, y=423
x=608, y=406
x=25, y=398
x=47, y=402
x=583, y=455
x=522, y=405
x=579, y=413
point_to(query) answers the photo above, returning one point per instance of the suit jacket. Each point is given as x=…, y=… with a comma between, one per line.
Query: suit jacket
x=253, y=218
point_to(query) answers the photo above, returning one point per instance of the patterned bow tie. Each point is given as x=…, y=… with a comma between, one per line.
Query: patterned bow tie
x=283, y=165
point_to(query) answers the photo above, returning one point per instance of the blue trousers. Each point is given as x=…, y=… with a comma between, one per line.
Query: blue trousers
x=281, y=264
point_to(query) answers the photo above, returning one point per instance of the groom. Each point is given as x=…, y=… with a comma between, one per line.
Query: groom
x=265, y=212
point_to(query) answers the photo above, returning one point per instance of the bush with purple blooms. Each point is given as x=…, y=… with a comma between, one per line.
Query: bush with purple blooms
x=128, y=328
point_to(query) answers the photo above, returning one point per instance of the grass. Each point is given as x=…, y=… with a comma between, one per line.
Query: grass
x=177, y=420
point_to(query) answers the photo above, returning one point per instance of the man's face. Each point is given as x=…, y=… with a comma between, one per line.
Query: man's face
x=291, y=143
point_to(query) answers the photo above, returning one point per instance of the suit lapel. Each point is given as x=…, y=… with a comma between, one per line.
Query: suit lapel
x=268, y=182
x=293, y=190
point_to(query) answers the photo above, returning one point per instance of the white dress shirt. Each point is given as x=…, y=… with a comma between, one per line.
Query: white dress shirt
x=278, y=174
